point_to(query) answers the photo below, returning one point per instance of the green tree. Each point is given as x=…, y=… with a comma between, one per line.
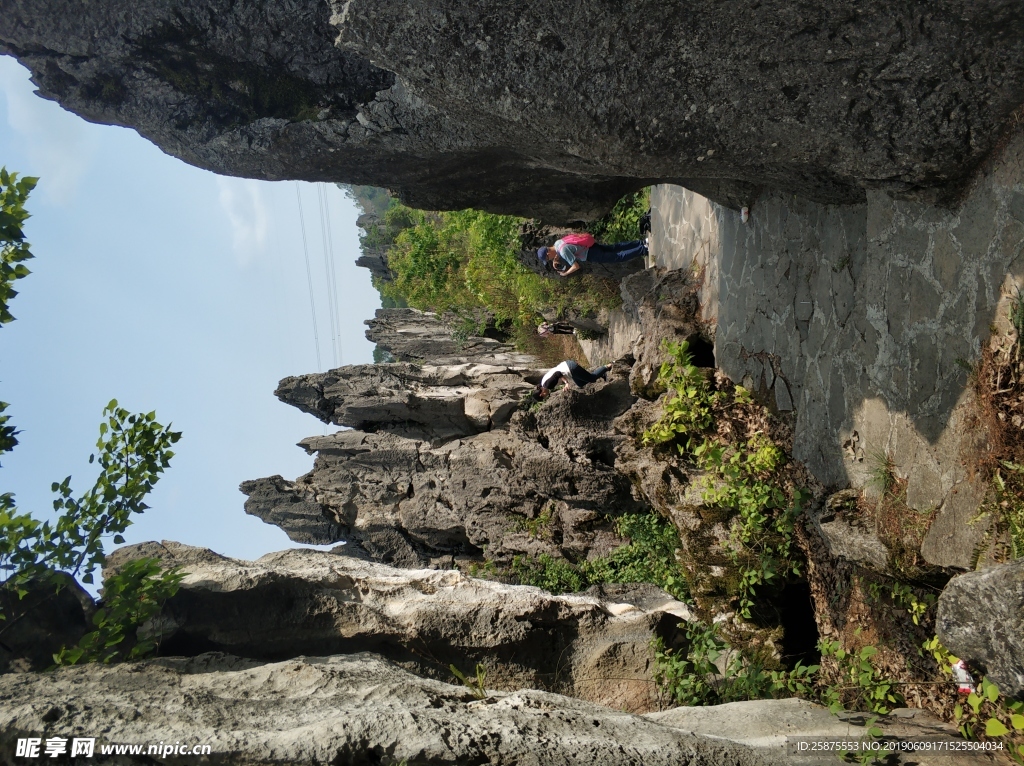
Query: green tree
x=132, y=452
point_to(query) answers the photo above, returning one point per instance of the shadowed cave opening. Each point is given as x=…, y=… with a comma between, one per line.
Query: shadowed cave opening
x=799, y=628
x=702, y=353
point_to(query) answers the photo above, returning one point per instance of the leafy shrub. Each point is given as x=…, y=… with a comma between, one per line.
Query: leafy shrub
x=648, y=557
x=988, y=713
x=711, y=672
x=861, y=684
x=553, y=575
x=467, y=262
x=622, y=223
x=690, y=404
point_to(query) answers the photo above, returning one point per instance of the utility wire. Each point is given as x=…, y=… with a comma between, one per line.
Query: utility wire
x=309, y=278
x=327, y=271
x=333, y=274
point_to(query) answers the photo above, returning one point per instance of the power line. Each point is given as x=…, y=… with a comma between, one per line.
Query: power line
x=309, y=278
x=327, y=270
x=334, y=275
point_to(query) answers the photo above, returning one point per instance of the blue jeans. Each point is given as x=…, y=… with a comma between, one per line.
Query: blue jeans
x=617, y=252
x=581, y=377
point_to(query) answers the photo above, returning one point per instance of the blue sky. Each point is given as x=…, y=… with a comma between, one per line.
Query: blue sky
x=171, y=289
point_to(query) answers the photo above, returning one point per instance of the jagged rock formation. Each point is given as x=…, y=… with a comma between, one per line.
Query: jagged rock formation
x=433, y=402
x=409, y=494
x=305, y=602
x=444, y=461
x=360, y=709
x=981, y=620
x=512, y=109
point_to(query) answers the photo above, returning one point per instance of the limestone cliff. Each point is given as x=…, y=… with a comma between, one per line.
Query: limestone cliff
x=539, y=108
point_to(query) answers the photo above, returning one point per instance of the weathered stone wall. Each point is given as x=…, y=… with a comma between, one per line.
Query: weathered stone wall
x=866, y=320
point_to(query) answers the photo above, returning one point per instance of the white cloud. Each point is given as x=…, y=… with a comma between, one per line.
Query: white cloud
x=59, y=145
x=244, y=204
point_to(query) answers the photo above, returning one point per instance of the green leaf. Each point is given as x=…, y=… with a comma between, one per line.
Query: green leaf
x=995, y=728
x=1017, y=721
x=991, y=690
x=974, y=701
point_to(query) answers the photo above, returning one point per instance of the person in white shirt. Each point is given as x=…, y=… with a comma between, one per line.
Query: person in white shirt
x=564, y=372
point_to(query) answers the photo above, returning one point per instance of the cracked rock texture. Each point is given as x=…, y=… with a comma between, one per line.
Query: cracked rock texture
x=305, y=602
x=981, y=620
x=344, y=711
x=862, y=319
x=510, y=108
x=360, y=709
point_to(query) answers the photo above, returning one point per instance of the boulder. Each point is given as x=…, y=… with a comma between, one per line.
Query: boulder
x=302, y=602
x=345, y=711
x=981, y=620
x=455, y=104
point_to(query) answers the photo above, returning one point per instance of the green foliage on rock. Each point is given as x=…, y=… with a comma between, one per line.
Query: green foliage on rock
x=690, y=403
x=552, y=574
x=132, y=452
x=648, y=557
x=742, y=476
x=861, y=685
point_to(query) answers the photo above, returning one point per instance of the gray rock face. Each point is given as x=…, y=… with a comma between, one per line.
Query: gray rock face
x=345, y=711
x=845, y=533
x=766, y=725
x=50, y=616
x=981, y=620
x=360, y=709
x=419, y=336
x=304, y=602
x=456, y=104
